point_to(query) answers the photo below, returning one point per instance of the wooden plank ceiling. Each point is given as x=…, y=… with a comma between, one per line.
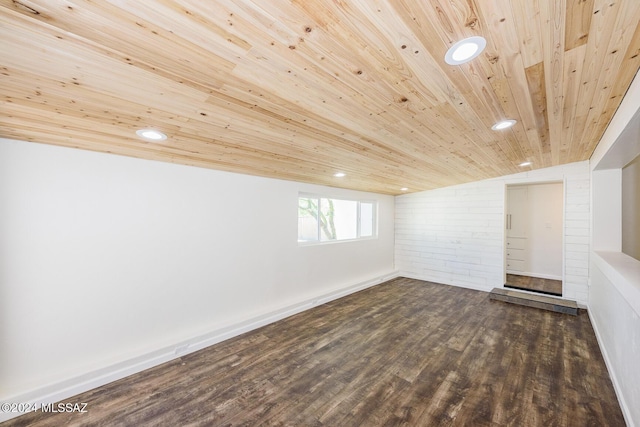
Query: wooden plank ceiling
x=302, y=89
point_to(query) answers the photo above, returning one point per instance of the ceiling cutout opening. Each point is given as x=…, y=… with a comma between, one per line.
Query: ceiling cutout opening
x=465, y=50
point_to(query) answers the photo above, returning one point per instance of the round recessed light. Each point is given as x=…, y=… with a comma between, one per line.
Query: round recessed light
x=523, y=164
x=465, y=50
x=339, y=174
x=151, y=134
x=503, y=124
x=404, y=189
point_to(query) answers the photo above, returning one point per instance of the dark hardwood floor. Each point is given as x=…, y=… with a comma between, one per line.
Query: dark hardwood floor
x=404, y=352
x=535, y=284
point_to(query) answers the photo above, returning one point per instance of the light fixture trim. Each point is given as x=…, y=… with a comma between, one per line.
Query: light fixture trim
x=465, y=50
x=523, y=164
x=339, y=174
x=151, y=134
x=503, y=124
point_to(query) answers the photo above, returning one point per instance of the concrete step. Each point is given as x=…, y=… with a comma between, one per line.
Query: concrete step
x=538, y=301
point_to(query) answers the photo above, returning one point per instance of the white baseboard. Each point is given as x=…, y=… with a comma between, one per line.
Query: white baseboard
x=616, y=386
x=62, y=390
x=442, y=281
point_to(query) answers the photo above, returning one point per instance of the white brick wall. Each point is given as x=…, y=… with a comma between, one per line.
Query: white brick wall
x=455, y=235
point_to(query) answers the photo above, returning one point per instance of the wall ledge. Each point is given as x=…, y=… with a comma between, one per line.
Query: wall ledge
x=624, y=272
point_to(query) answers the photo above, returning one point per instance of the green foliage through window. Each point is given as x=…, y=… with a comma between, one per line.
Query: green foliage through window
x=323, y=219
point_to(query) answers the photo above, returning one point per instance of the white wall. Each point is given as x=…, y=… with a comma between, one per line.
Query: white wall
x=455, y=235
x=614, y=308
x=109, y=263
x=545, y=230
x=630, y=189
x=606, y=189
x=614, y=300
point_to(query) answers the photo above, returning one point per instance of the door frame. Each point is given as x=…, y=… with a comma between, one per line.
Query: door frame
x=524, y=182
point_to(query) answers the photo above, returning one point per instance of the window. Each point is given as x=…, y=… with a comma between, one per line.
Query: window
x=321, y=219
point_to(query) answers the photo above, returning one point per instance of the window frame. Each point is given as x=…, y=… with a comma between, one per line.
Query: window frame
x=319, y=241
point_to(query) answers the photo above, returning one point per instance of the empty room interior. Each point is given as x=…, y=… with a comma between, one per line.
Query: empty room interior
x=320, y=213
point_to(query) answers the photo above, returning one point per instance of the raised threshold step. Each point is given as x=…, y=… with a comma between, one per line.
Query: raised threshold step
x=538, y=301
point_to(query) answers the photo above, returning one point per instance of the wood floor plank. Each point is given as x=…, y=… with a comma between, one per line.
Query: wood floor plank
x=403, y=353
x=534, y=284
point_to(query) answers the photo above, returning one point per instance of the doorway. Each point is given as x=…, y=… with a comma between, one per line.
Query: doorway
x=533, y=251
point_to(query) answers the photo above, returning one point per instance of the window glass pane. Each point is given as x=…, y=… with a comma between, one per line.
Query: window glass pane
x=307, y=219
x=339, y=219
x=366, y=219
x=327, y=220
x=321, y=219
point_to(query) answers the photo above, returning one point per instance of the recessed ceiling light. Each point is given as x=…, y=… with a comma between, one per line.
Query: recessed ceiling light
x=404, y=189
x=523, y=164
x=339, y=174
x=503, y=124
x=465, y=50
x=151, y=134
